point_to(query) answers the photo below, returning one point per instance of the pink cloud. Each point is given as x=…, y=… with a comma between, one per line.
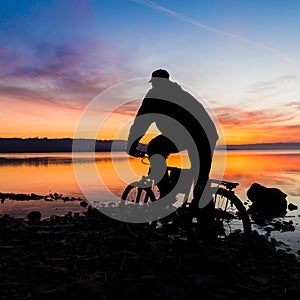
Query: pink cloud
x=73, y=73
x=129, y=109
x=240, y=117
x=260, y=126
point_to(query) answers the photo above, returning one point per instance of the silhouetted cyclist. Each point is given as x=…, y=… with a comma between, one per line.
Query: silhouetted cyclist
x=184, y=125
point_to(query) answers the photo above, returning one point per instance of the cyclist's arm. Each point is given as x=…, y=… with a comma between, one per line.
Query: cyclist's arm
x=139, y=127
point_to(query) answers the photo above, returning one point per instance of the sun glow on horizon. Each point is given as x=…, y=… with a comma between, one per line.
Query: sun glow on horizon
x=44, y=124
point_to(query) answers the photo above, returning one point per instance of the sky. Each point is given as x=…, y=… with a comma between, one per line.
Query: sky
x=241, y=57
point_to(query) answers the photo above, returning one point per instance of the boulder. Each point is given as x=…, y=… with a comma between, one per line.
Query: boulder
x=267, y=201
x=34, y=215
x=84, y=203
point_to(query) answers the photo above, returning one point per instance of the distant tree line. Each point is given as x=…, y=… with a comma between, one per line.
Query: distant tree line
x=35, y=145
x=264, y=146
x=43, y=145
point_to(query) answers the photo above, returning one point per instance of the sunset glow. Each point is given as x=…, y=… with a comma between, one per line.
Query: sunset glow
x=242, y=57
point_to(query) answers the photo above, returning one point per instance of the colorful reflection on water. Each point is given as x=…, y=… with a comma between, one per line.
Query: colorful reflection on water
x=272, y=169
x=46, y=173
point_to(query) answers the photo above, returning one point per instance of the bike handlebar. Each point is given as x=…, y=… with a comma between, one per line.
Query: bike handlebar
x=138, y=153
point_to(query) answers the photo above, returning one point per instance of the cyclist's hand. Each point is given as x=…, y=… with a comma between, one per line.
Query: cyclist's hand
x=136, y=153
x=132, y=150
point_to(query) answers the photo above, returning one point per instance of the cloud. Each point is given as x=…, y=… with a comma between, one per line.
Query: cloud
x=129, y=108
x=70, y=72
x=240, y=117
x=293, y=126
x=295, y=104
x=258, y=126
x=265, y=86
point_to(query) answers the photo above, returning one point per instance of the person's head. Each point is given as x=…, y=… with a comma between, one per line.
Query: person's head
x=159, y=76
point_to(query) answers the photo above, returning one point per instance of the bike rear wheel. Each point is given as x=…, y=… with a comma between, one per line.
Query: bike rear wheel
x=230, y=225
x=231, y=217
x=136, y=195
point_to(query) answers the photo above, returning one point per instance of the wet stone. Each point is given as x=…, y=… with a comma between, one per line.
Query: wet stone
x=267, y=201
x=83, y=203
x=34, y=216
x=292, y=207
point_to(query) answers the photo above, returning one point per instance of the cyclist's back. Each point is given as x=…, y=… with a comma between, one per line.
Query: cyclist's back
x=169, y=99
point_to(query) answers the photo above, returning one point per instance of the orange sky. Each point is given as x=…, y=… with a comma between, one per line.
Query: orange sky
x=23, y=118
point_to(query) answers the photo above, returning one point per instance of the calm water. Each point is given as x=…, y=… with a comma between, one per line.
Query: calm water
x=45, y=173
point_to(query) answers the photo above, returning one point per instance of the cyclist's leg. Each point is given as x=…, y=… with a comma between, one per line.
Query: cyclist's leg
x=204, y=157
x=158, y=150
x=205, y=215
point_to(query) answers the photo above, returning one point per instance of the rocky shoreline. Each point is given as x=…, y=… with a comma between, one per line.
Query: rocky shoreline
x=92, y=256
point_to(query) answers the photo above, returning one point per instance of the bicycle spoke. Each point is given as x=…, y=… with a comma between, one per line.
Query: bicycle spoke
x=139, y=193
x=231, y=216
x=139, y=196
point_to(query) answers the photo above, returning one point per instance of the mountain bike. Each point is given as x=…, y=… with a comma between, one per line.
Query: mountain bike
x=230, y=218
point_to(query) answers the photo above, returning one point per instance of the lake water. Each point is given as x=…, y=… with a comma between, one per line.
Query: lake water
x=104, y=175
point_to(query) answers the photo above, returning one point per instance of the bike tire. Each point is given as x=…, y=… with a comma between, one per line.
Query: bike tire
x=231, y=217
x=230, y=227
x=139, y=195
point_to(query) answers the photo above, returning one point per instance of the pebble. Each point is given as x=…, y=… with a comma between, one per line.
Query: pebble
x=292, y=207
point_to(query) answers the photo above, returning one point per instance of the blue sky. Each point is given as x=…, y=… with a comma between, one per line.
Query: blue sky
x=242, y=56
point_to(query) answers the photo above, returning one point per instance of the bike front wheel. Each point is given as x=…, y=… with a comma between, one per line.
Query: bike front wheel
x=135, y=195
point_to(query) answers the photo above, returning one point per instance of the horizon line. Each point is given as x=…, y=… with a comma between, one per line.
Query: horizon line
x=71, y=138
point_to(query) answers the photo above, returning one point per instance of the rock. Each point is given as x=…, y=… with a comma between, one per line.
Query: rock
x=267, y=201
x=84, y=203
x=268, y=229
x=292, y=206
x=34, y=215
x=284, y=226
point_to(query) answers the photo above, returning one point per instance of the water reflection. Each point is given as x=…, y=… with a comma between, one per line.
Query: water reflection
x=272, y=169
x=42, y=172
x=56, y=159
x=34, y=161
